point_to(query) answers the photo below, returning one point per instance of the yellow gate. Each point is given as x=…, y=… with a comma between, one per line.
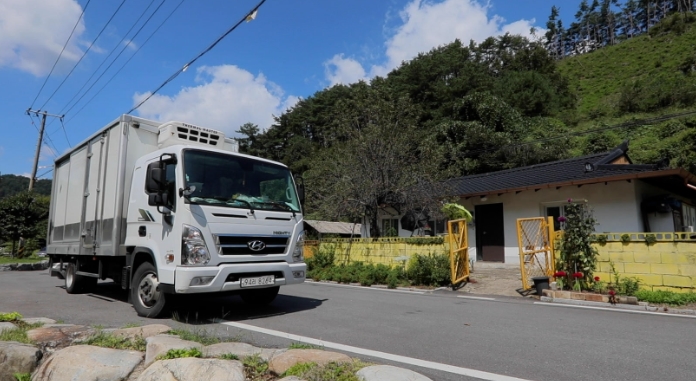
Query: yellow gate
x=536, y=249
x=459, y=250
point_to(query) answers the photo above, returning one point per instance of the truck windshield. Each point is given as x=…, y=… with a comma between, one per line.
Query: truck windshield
x=238, y=182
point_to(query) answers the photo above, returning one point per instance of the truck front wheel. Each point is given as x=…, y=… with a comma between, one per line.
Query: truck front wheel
x=260, y=296
x=147, y=300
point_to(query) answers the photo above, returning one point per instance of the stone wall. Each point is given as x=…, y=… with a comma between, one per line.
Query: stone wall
x=662, y=265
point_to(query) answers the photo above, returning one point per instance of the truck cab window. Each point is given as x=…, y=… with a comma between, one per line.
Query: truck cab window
x=171, y=185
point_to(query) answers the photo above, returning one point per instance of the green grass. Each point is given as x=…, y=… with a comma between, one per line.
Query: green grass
x=8, y=260
x=303, y=346
x=131, y=325
x=10, y=316
x=180, y=353
x=666, y=297
x=20, y=333
x=299, y=369
x=199, y=335
x=328, y=372
x=228, y=356
x=22, y=376
x=108, y=340
x=255, y=368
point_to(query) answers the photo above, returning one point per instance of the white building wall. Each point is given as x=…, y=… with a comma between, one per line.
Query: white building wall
x=614, y=204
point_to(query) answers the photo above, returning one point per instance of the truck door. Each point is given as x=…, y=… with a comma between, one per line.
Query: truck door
x=92, y=204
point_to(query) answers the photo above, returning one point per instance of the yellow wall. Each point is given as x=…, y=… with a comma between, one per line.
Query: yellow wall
x=384, y=250
x=663, y=265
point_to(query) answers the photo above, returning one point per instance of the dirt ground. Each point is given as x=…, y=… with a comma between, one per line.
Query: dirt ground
x=494, y=279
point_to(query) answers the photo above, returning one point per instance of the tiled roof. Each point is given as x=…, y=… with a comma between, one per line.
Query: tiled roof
x=328, y=227
x=562, y=171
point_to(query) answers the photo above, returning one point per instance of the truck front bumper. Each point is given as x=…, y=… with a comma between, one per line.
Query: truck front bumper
x=227, y=277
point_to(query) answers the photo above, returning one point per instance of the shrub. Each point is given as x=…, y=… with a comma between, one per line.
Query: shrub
x=429, y=270
x=324, y=258
x=666, y=297
x=577, y=255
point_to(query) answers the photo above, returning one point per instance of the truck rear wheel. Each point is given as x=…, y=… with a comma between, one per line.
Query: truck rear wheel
x=75, y=284
x=147, y=300
x=260, y=296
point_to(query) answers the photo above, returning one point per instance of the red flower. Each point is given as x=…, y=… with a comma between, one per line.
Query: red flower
x=612, y=292
x=596, y=279
x=559, y=274
x=561, y=219
x=570, y=200
x=577, y=275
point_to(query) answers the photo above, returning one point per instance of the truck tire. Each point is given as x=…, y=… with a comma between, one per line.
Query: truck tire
x=147, y=300
x=72, y=280
x=260, y=296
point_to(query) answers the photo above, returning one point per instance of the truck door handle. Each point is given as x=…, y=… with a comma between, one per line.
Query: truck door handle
x=142, y=231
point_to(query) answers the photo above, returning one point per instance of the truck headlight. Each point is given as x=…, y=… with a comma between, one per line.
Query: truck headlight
x=298, y=253
x=193, y=248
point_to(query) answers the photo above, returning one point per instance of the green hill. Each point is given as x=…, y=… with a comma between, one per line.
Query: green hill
x=10, y=185
x=646, y=73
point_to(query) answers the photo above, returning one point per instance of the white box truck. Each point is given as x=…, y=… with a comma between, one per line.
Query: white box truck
x=172, y=208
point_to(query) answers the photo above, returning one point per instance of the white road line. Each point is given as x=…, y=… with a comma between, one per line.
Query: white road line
x=365, y=288
x=475, y=297
x=377, y=354
x=614, y=309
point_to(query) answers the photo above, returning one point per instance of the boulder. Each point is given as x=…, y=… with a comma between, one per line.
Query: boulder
x=240, y=349
x=59, y=335
x=284, y=361
x=161, y=344
x=291, y=378
x=88, y=363
x=6, y=325
x=389, y=373
x=193, y=369
x=144, y=331
x=37, y=320
x=17, y=358
x=25, y=267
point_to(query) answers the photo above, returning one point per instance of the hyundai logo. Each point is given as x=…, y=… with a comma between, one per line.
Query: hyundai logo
x=256, y=245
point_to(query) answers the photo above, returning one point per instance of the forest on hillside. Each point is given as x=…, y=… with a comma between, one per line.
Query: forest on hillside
x=11, y=185
x=469, y=108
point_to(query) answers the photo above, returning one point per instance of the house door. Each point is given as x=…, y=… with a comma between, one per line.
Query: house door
x=490, y=234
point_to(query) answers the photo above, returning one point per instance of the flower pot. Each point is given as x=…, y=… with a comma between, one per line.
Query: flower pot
x=541, y=283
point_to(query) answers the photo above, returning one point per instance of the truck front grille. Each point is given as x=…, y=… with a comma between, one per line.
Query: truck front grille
x=251, y=245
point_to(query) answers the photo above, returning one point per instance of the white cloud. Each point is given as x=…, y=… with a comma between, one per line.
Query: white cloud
x=428, y=24
x=130, y=44
x=226, y=98
x=33, y=32
x=343, y=70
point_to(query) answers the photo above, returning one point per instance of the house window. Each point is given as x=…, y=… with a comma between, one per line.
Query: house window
x=433, y=228
x=390, y=227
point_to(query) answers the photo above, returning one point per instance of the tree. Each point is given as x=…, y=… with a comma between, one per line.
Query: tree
x=251, y=131
x=381, y=165
x=22, y=216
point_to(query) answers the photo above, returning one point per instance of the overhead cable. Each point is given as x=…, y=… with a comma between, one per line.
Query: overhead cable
x=248, y=17
x=83, y=54
x=61, y=54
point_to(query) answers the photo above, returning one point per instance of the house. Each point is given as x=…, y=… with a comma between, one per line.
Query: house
x=625, y=197
x=335, y=229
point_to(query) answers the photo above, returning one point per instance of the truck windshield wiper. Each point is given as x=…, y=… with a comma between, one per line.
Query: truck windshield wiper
x=282, y=205
x=251, y=207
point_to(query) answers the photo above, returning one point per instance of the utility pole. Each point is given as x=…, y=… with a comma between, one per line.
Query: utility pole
x=38, y=144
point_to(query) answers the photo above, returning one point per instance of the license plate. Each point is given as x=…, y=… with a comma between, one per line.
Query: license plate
x=257, y=281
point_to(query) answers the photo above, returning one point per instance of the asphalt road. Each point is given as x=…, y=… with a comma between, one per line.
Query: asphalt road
x=504, y=337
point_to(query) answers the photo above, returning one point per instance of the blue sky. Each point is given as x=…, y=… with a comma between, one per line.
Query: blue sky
x=291, y=50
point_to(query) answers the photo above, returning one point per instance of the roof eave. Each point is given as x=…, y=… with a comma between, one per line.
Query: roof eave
x=641, y=175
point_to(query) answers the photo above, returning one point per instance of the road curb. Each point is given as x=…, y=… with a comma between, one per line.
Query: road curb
x=43, y=265
x=665, y=310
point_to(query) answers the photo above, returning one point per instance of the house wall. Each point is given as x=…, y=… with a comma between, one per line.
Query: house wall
x=387, y=251
x=668, y=265
x=614, y=204
x=659, y=222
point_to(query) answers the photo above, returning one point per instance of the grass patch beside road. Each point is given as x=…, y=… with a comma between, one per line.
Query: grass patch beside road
x=667, y=297
x=108, y=340
x=8, y=260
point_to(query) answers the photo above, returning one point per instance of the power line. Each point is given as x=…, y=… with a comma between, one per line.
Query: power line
x=65, y=133
x=105, y=59
x=126, y=63
x=84, y=54
x=248, y=17
x=53, y=146
x=61, y=54
x=44, y=174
